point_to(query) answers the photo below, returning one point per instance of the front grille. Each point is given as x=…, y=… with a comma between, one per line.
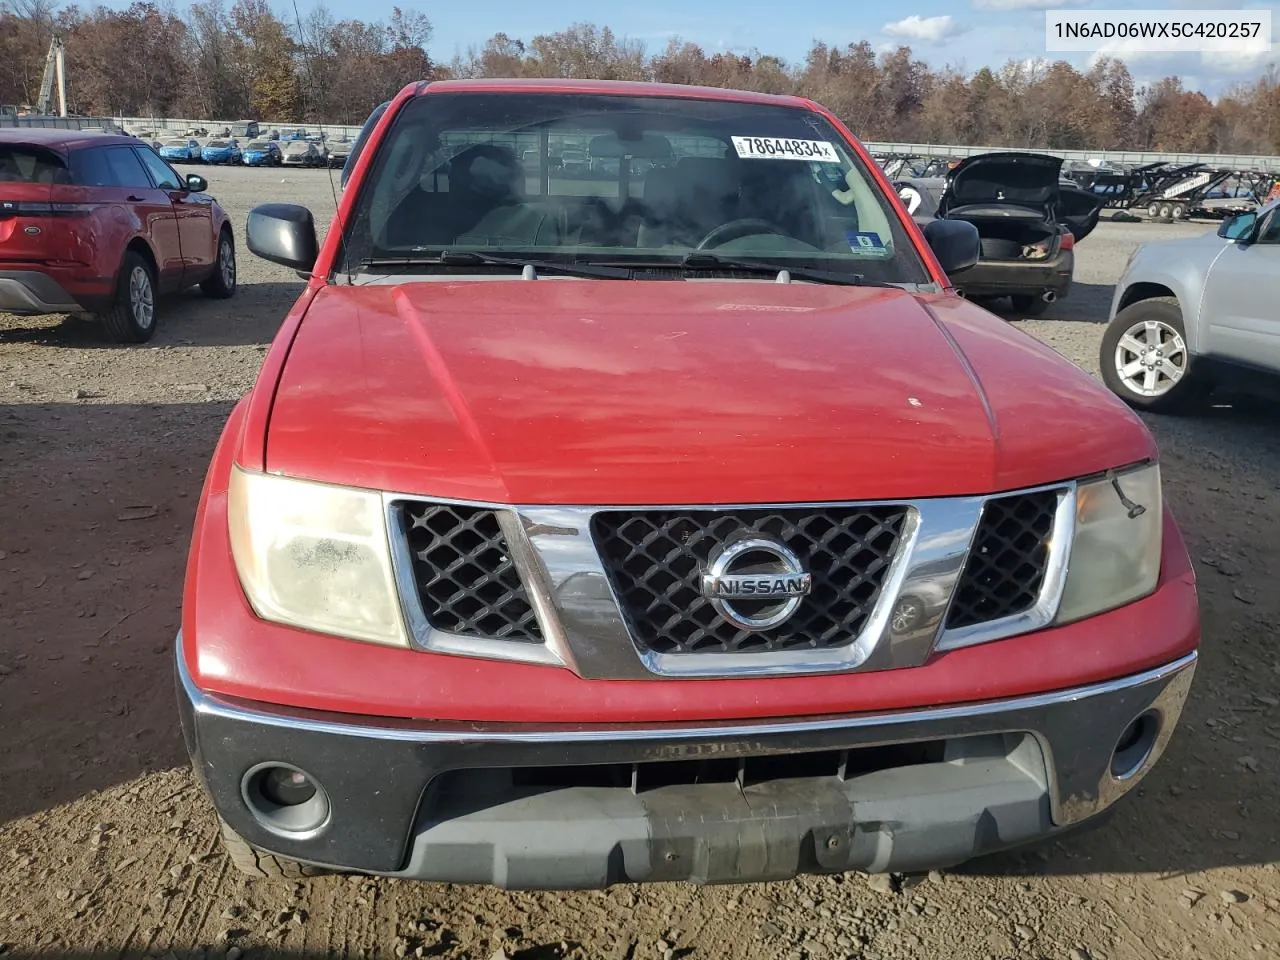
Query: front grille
x=469, y=785
x=1005, y=570
x=462, y=568
x=655, y=561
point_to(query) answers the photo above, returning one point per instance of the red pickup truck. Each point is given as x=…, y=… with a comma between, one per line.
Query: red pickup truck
x=671, y=521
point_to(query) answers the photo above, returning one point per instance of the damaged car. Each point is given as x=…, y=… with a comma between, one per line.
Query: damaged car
x=1028, y=219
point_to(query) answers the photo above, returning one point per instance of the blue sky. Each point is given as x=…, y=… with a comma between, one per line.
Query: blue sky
x=965, y=33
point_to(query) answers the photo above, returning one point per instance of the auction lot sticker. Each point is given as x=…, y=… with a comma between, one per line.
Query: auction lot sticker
x=781, y=148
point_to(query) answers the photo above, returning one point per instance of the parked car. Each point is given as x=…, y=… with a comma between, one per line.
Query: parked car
x=574, y=163
x=99, y=225
x=320, y=141
x=338, y=152
x=296, y=133
x=467, y=549
x=262, y=153
x=221, y=151
x=361, y=139
x=1028, y=218
x=1192, y=313
x=196, y=132
x=245, y=130
x=184, y=150
x=301, y=153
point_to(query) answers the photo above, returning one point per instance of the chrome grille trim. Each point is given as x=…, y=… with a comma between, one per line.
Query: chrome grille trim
x=583, y=627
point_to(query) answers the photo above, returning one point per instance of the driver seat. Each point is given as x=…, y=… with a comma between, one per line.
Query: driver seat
x=686, y=202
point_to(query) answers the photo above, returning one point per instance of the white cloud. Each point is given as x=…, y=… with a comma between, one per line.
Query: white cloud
x=1025, y=4
x=928, y=29
x=1243, y=61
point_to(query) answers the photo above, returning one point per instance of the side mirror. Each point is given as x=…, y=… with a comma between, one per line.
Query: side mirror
x=197, y=183
x=954, y=242
x=1240, y=227
x=283, y=233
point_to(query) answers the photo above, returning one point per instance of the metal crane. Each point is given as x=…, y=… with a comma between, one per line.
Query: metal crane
x=55, y=66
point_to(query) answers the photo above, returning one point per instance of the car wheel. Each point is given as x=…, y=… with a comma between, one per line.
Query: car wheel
x=1145, y=359
x=1178, y=212
x=1153, y=211
x=221, y=285
x=255, y=863
x=131, y=318
x=1028, y=304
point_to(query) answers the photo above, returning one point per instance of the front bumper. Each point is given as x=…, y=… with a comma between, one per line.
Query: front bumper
x=540, y=807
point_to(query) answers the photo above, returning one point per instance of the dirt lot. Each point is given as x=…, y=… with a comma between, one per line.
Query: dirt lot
x=106, y=847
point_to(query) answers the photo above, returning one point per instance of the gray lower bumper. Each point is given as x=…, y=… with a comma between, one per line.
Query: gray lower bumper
x=456, y=803
x=31, y=292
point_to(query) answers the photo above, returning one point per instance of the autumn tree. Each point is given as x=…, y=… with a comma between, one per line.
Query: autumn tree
x=246, y=62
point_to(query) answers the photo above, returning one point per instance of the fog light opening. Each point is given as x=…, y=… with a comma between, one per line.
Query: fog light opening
x=1135, y=745
x=284, y=799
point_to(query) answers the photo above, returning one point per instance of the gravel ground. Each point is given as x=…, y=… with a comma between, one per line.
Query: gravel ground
x=106, y=847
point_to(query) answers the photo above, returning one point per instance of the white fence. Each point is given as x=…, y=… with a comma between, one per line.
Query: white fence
x=175, y=126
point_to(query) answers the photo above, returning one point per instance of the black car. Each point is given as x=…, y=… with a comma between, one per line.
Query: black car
x=1028, y=220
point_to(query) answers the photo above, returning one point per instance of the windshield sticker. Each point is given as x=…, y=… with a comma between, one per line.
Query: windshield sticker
x=781, y=148
x=868, y=243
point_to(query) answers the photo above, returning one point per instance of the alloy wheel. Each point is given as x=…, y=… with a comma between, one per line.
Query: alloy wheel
x=227, y=263
x=141, y=298
x=1151, y=358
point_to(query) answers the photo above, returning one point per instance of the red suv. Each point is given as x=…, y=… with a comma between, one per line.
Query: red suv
x=676, y=520
x=98, y=224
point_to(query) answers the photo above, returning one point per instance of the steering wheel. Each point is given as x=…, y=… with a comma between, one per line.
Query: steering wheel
x=736, y=229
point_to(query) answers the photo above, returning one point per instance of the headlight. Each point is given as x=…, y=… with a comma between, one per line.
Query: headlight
x=1115, y=554
x=314, y=556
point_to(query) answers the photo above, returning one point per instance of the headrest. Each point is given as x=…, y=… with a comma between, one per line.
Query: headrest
x=488, y=169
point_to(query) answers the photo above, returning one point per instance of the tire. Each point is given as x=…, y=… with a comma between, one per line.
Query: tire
x=1179, y=212
x=221, y=284
x=1120, y=350
x=253, y=862
x=131, y=318
x=1029, y=304
x=1166, y=211
x=1153, y=211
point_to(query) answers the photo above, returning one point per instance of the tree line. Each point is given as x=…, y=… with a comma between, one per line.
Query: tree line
x=245, y=61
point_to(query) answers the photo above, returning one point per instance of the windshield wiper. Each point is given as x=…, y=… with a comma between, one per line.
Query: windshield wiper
x=697, y=260
x=463, y=258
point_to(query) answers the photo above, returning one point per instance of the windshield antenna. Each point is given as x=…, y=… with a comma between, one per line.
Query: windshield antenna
x=324, y=143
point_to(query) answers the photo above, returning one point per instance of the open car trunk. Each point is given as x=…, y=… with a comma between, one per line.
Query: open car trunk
x=1017, y=200
x=1006, y=234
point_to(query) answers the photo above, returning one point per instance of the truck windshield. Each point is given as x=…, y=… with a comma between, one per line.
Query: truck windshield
x=623, y=179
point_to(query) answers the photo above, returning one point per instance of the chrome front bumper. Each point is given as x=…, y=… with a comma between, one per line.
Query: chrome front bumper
x=438, y=801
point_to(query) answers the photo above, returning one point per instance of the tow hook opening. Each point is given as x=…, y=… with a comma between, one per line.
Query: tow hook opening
x=285, y=800
x=1134, y=747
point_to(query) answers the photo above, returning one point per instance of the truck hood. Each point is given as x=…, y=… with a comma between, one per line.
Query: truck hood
x=563, y=391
